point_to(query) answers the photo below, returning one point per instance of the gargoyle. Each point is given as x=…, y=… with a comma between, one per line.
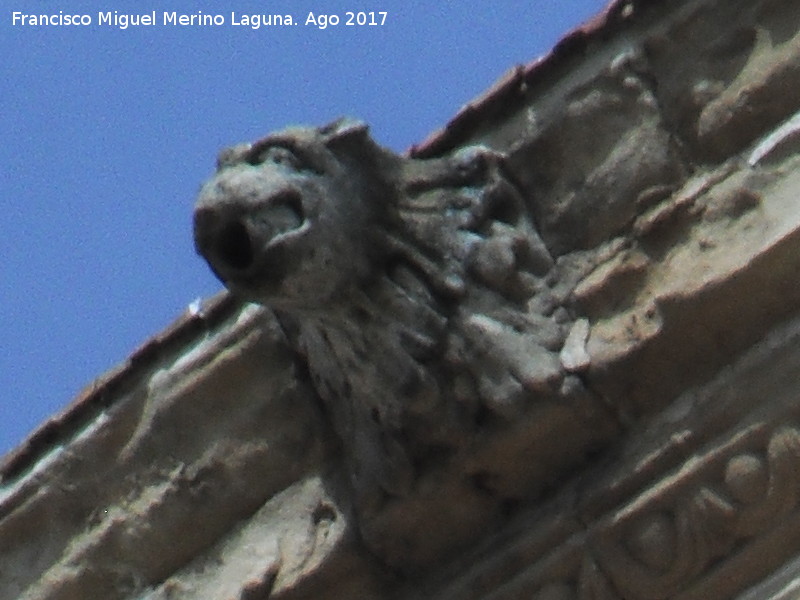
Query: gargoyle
x=414, y=289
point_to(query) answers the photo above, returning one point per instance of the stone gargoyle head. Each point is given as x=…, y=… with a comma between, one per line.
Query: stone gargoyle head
x=290, y=221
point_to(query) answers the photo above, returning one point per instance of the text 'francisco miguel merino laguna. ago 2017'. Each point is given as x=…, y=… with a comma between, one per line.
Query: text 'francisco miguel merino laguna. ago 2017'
x=198, y=19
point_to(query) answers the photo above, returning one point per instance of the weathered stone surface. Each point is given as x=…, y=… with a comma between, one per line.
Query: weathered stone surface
x=709, y=478
x=653, y=449
x=593, y=159
x=721, y=87
x=718, y=259
x=414, y=289
x=196, y=444
x=277, y=552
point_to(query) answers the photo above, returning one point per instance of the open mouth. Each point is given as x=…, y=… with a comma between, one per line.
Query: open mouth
x=235, y=246
x=240, y=241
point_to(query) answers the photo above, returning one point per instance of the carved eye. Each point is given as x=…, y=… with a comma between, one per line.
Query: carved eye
x=279, y=155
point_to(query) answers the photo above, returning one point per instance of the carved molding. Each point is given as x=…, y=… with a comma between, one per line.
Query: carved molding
x=662, y=543
x=722, y=505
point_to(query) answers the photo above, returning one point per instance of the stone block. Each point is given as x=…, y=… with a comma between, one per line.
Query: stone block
x=596, y=155
x=726, y=71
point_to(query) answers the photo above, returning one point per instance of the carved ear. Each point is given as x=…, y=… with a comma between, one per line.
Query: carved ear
x=232, y=155
x=345, y=133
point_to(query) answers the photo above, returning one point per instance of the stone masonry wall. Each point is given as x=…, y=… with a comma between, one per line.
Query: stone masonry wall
x=658, y=151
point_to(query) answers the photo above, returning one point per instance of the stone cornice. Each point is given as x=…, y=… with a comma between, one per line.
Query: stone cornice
x=697, y=505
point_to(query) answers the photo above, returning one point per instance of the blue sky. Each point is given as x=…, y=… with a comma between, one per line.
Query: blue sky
x=107, y=134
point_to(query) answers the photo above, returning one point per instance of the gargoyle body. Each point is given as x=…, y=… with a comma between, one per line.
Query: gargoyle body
x=415, y=289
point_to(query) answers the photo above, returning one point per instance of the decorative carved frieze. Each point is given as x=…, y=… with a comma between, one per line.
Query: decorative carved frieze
x=665, y=540
x=704, y=523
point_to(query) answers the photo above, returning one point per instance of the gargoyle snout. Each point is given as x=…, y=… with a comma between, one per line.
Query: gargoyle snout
x=229, y=247
x=243, y=239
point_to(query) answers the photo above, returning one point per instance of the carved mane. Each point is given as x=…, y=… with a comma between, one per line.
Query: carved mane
x=408, y=284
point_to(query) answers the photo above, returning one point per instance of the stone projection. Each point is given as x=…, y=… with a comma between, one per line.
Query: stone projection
x=417, y=292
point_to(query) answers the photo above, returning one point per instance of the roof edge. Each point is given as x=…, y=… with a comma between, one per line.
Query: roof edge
x=101, y=392
x=514, y=83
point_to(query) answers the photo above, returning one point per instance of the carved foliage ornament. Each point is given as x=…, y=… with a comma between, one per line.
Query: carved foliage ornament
x=666, y=544
x=407, y=285
x=734, y=495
